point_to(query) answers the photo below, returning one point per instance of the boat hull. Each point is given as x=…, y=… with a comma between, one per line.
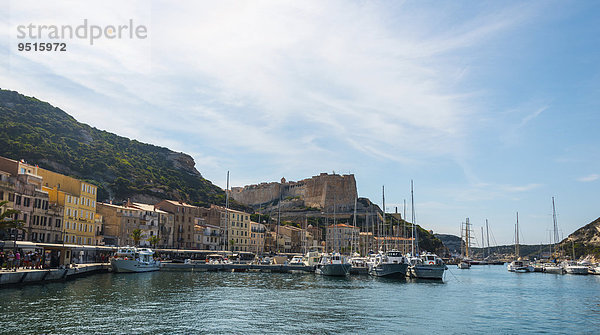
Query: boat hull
x=427, y=271
x=464, y=265
x=554, y=269
x=577, y=270
x=389, y=270
x=359, y=270
x=131, y=265
x=337, y=270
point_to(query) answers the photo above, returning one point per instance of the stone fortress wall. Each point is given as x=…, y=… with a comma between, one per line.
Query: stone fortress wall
x=322, y=192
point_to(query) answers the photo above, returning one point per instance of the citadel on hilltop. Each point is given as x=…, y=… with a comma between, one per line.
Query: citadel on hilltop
x=323, y=192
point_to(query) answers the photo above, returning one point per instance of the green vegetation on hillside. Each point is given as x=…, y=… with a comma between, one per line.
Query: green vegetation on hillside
x=41, y=134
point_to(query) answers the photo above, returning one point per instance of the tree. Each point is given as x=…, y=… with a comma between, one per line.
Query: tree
x=136, y=235
x=8, y=218
x=231, y=244
x=154, y=239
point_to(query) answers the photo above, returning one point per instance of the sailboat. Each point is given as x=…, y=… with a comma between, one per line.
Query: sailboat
x=554, y=267
x=518, y=265
x=333, y=264
x=464, y=248
x=388, y=263
x=425, y=265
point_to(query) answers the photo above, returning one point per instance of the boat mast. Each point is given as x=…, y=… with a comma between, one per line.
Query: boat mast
x=483, y=243
x=384, y=223
x=404, y=229
x=555, y=227
x=355, y=226
x=517, y=237
x=468, y=238
x=278, y=220
x=413, y=230
x=226, y=244
x=487, y=232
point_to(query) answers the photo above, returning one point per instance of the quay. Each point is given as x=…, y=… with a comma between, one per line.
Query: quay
x=37, y=276
x=205, y=267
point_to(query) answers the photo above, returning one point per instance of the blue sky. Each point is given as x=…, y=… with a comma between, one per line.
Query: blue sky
x=490, y=107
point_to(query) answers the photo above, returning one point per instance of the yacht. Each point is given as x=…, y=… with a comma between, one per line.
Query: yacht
x=427, y=266
x=359, y=266
x=332, y=265
x=296, y=261
x=519, y=266
x=553, y=268
x=573, y=268
x=312, y=258
x=131, y=259
x=389, y=264
x=464, y=264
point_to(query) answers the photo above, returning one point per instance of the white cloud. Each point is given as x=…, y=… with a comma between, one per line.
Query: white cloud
x=589, y=178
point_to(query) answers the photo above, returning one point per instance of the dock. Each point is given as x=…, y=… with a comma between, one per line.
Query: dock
x=204, y=267
x=31, y=276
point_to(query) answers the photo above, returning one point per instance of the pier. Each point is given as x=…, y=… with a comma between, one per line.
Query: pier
x=204, y=267
x=32, y=276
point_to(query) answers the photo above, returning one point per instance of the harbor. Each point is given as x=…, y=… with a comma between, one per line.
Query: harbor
x=493, y=299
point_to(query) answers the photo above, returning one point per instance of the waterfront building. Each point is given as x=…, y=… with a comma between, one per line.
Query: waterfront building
x=207, y=237
x=119, y=222
x=22, y=187
x=185, y=216
x=342, y=238
x=236, y=230
x=257, y=237
x=156, y=222
x=79, y=201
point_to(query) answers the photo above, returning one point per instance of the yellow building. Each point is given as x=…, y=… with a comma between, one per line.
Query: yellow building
x=79, y=201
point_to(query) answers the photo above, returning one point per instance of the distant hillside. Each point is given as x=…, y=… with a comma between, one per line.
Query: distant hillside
x=41, y=134
x=451, y=242
x=584, y=241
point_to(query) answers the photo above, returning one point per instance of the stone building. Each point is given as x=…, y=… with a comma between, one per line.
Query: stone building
x=324, y=191
x=342, y=238
x=185, y=216
x=257, y=237
x=207, y=237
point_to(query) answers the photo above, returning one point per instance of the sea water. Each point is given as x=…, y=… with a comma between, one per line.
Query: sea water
x=483, y=299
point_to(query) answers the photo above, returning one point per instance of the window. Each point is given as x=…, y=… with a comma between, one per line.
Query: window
x=82, y=186
x=57, y=223
x=17, y=200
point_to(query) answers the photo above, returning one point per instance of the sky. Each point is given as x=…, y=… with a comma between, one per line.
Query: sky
x=490, y=107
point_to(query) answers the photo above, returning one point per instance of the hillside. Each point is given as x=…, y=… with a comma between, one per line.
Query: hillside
x=584, y=241
x=41, y=134
x=451, y=242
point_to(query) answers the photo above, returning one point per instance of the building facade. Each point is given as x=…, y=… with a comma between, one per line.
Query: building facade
x=342, y=238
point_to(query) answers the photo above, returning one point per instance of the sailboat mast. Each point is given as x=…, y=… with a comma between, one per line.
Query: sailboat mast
x=487, y=232
x=483, y=243
x=517, y=237
x=555, y=225
x=384, y=223
x=468, y=237
x=353, y=229
x=225, y=245
x=413, y=230
x=404, y=228
x=278, y=220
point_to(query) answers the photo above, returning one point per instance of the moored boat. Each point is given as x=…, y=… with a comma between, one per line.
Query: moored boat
x=332, y=265
x=519, y=266
x=389, y=264
x=575, y=269
x=427, y=266
x=131, y=259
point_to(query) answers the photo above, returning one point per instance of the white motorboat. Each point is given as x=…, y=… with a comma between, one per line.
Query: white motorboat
x=332, y=265
x=389, y=264
x=296, y=261
x=573, y=268
x=427, y=266
x=312, y=258
x=131, y=259
x=553, y=268
x=464, y=265
x=359, y=266
x=520, y=266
